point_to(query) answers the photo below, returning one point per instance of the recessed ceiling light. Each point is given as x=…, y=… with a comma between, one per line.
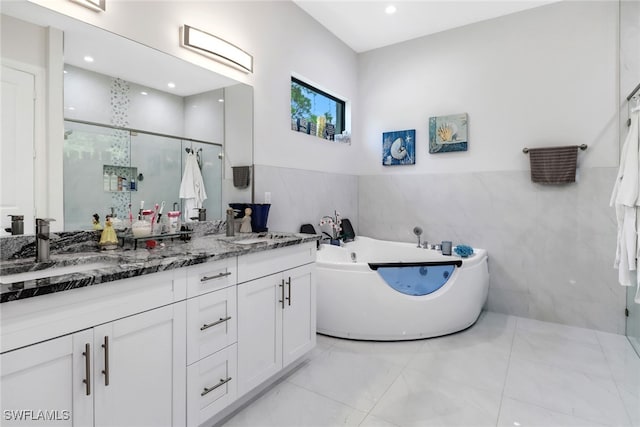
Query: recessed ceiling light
x=144, y=93
x=171, y=85
x=71, y=108
x=390, y=10
x=220, y=100
x=65, y=71
x=88, y=58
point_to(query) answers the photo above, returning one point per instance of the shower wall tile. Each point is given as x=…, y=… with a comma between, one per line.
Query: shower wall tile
x=551, y=248
x=303, y=197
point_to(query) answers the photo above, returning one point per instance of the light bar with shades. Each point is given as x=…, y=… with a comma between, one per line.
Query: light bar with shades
x=212, y=46
x=97, y=5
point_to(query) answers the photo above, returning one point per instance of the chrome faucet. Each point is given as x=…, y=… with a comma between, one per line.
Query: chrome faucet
x=42, y=239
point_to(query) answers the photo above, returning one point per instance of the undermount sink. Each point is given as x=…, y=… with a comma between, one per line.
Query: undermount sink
x=53, y=272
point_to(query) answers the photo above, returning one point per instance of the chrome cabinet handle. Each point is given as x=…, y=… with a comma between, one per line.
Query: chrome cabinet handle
x=289, y=285
x=282, y=300
x=220, y=384
x=217, y=322
x=217, y=276
x=87, y=367
x=106, y=360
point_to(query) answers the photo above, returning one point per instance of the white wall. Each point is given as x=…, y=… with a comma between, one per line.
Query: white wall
x=204, y=116
x=542, y=77
x=23, y=42
x=90, y=96
x=547, y=76
x=238, y=136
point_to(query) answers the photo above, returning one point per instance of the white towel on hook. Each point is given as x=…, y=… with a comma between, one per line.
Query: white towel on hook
x=626, y=199
x=192, y=187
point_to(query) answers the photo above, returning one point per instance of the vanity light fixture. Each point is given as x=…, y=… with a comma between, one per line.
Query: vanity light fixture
x=215, y=47
x=96, y=5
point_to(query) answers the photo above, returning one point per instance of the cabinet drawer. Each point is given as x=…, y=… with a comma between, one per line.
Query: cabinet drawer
x=262, y=264
x=211, y=385
x=211, y=276
x=212, y=323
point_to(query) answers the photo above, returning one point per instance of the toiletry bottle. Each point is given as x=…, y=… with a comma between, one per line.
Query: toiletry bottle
x=106, y=184
x=230, y=222
x=132, y=185
x=113, y=182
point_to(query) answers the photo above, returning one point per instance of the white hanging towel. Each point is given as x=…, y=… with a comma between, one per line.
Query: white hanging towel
x=626, y=199
x=192, y=187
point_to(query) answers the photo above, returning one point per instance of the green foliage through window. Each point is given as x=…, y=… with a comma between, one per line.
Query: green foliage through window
x=316, y=112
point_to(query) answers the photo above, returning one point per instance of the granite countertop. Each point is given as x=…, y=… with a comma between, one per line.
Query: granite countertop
x=108, y=266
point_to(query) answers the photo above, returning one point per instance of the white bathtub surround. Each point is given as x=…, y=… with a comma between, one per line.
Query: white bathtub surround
x=303, y=197
x=551, y=247
x=491, y=383
x=354, y=301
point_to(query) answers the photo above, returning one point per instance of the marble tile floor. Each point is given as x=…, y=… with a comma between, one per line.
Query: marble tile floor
x=503, y=371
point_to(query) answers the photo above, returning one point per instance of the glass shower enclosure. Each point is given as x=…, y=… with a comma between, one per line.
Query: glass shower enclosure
x=110, y=169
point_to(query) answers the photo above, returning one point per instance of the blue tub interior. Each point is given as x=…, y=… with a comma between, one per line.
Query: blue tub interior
x=416, y=280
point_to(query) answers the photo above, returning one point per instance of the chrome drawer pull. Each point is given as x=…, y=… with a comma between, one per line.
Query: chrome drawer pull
x=220, y=384
x=207, y=326
x=217, y=276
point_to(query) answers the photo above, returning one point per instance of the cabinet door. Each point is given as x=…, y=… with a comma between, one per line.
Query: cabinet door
x=259, y=331
x=140, y=369
x=42, y=384
x=299, y=315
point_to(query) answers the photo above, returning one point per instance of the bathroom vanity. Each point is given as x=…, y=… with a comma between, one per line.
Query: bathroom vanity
x=181, y=337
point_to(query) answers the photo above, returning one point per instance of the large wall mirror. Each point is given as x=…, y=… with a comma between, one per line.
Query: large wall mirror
x=132, y=115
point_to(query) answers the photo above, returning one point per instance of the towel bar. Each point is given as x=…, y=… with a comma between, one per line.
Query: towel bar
x=582, y=147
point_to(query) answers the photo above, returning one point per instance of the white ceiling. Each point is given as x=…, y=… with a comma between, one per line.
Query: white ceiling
x=363, y=24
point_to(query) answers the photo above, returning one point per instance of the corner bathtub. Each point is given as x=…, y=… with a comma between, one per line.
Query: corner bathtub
x=354, y=301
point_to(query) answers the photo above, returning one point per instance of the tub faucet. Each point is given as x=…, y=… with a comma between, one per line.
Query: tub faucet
x=417, y=231
x=42, y=239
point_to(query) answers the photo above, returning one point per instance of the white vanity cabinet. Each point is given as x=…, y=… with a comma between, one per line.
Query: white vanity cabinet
x=127, y=372
x=131, y=331
x=181, y=347
x=277, y=321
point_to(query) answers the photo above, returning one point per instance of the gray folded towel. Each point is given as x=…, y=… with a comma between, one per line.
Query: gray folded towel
x=241, y=176
x=553, y=165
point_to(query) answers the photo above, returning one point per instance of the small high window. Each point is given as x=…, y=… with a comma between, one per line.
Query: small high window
x=315, y=112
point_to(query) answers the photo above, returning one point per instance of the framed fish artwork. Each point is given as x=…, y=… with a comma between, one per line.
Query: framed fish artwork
x=399, y=147
x=448, y=133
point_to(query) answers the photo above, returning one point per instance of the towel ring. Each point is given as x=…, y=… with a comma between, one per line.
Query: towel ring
x=582, y=147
